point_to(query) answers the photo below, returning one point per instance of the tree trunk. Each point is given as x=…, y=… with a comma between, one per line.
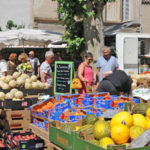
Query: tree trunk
x=94, y=29
x=100, y=26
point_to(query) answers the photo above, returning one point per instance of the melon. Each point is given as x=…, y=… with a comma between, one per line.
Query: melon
x=28, y=81
x=2, y=95
x=35, y=85
x=46, y=86
x=19, y=95
x=136, y=131
x=140, y=109
x=13, y=91
x=104, y=142
x=28, y=86
x=33, y=78
x=9, y=96
x=139, y=120
x=5, y=86
x=101, y=129
x=120, y=134
x=95, y=142
x=16, y=75
x=68, y=128
x=89, y=119
x=12, y=83
x=20, y=81
x=148, y=112
x=122, y=118
x=147, y=124
x=24, y=76
x=8, y=78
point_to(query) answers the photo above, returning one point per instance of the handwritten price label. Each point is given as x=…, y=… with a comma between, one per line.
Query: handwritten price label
x=24, y=104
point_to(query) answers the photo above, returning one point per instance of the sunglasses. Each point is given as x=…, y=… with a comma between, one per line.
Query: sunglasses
x=90, y=59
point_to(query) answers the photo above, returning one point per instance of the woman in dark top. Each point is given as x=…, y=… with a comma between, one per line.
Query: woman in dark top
x=12, y=63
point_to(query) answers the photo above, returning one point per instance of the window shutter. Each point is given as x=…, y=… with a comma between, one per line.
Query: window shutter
x=126, y=10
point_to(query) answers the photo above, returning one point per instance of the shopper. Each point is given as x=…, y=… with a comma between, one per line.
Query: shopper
x=106, y=64
x=58, y=57
x=25, y=66
x=45, y=69
x=3, y=67
x=115, y=83
x=85, y=73
x=12, y=63
x=35, y=64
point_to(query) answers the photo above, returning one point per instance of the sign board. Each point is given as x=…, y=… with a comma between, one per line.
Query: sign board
x=63, y=77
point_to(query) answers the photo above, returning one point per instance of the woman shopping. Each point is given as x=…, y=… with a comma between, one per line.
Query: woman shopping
x=12, y=63
x=85, y=73
x=25, y=66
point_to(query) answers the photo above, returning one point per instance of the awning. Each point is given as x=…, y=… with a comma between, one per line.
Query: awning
x=28, y=37
x=114, y=29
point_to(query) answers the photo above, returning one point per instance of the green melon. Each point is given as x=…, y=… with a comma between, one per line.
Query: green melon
x=101, y=129
x=140, y=109
x=136, y=131
x=95, y=142
x=68, y=128
x=89, y=119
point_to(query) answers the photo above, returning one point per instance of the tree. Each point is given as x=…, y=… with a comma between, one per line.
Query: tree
x=84, y=24
x=10, y=25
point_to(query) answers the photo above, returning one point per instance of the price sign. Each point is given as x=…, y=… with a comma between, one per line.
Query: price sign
x=63, y=77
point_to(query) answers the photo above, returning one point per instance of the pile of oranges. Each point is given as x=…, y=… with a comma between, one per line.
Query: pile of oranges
x=47, y=106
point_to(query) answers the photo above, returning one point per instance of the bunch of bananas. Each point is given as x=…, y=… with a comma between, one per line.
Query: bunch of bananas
x=24, y=67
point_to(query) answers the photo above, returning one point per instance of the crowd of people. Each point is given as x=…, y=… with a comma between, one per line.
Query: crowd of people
x=28, y=64
x=109, y=78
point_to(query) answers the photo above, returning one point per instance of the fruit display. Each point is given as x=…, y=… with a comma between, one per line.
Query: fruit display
x=14, y=95
x=21, y=80
x=140, y=79
x=24, y=67
x=2, y=145
x=25, y=140
x=68, y=128
x=122, y=129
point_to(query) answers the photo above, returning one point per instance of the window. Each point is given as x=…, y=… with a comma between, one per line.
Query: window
x=126, y=10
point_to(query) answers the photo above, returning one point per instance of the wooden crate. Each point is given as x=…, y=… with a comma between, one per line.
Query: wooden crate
x=18, y=120
x=15, y=114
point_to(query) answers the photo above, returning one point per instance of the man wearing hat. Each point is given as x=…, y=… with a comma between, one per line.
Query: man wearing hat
x=35, y=64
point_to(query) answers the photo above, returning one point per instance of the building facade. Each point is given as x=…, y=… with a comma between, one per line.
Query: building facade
x=43, y=14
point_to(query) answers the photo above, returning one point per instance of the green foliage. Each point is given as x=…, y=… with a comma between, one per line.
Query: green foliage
x=72, y=14
x=0, y=29
x=10, y=25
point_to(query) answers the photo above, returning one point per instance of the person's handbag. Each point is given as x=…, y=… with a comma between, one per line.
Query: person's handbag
x=76, y=83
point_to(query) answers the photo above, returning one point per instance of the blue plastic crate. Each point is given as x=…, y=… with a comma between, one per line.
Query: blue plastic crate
x=104, y=104
x=121, y=105
x=136, y=100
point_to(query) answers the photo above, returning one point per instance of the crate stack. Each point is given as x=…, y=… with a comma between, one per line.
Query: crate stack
x=18, y=120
